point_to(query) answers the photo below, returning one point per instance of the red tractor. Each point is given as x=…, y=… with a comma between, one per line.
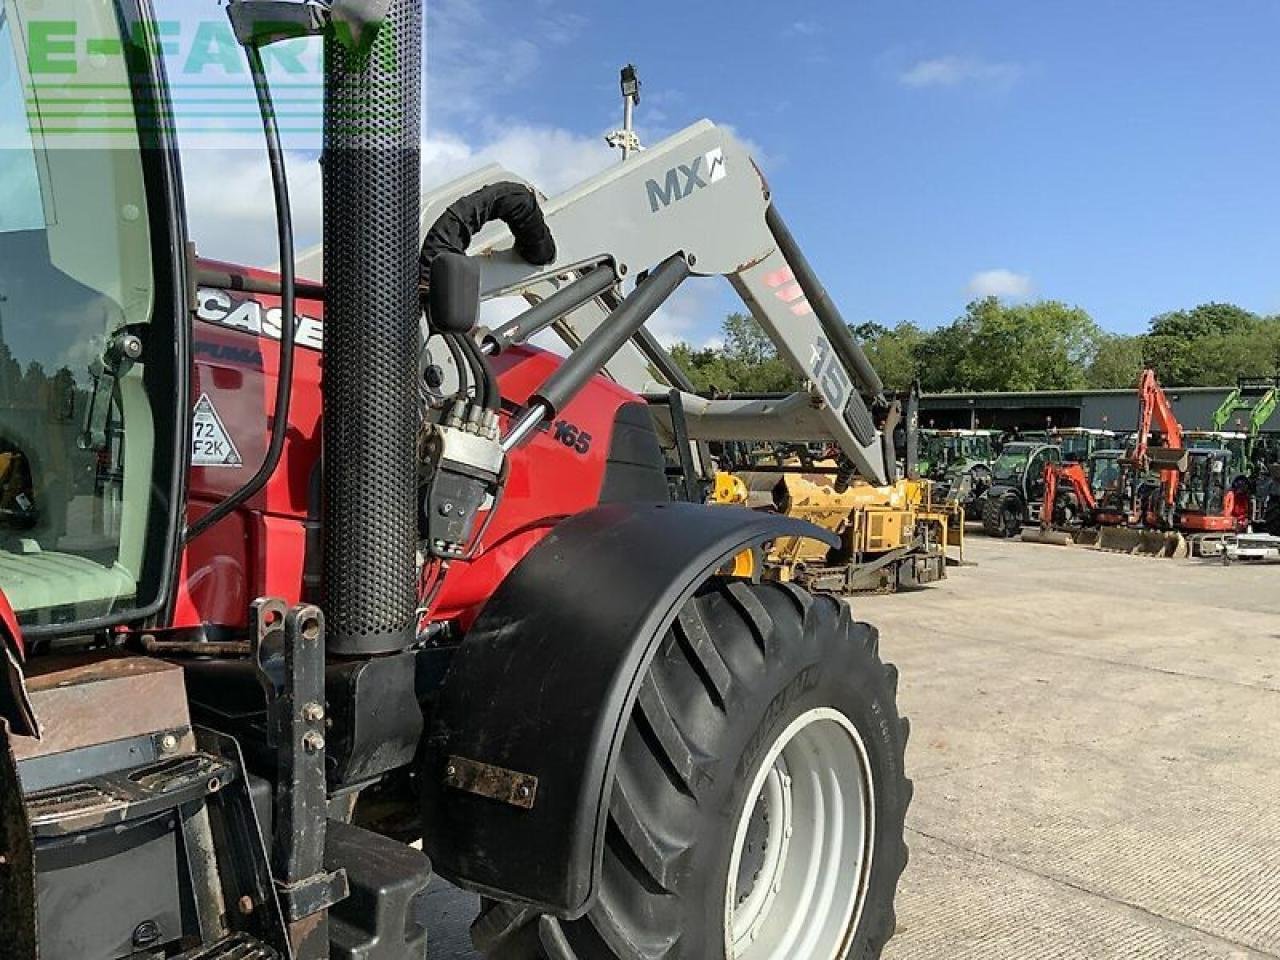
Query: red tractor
x=277, y=600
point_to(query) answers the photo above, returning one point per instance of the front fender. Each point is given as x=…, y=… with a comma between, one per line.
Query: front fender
x=543, y=687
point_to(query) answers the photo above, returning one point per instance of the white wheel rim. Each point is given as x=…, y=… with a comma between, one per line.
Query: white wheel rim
x=803, y=846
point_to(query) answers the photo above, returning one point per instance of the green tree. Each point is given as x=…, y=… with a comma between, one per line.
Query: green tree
x=1191, y=347
x=747, y=363
x=1045, y=345
x=1117, y=362
x=893, y=352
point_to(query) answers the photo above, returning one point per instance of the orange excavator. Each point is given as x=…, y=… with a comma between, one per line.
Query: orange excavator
x=1069, y=504
x=1133, y=509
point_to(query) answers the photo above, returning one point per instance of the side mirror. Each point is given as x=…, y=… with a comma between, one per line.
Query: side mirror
x=357, y=16
x=453, y=299
x=259, y=23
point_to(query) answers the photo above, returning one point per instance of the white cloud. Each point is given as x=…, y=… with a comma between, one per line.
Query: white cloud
x=1000, y=283
x=951, y=70
x=551, y=158
x=229, y=197
x=230, y=205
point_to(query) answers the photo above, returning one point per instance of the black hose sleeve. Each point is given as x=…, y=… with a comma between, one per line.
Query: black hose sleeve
x=512, y=203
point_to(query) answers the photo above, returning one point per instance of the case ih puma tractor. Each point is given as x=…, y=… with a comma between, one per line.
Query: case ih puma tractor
x=264, y=628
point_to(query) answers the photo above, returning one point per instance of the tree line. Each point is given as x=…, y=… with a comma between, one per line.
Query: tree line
x=1045, y=345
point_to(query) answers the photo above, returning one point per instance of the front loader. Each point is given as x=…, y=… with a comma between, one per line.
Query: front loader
x=263, y=629
x=689, y=200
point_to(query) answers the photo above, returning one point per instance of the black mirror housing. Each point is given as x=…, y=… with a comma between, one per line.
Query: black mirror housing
x=453, y=298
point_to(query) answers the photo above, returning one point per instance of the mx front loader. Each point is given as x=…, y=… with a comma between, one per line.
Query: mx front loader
x=262, y=629
x=691, y=196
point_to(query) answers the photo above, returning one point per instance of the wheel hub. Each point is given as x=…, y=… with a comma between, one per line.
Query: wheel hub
x=803, y=847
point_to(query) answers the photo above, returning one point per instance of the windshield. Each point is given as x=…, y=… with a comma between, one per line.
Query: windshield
x=76, y=435
x=1105, y=474
x=1075, y=446
x=1011, y=463
x=1202, y=489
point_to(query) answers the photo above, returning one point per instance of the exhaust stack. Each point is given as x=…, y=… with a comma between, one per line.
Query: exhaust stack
x=372, y=128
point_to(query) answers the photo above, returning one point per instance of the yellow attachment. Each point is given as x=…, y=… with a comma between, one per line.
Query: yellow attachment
x=743, y=566
x=729, y=489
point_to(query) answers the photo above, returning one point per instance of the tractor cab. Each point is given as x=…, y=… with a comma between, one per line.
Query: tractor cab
x=1021, y=466
x=946, y=451
x=1235, y=443
x=1105, y=469
x=91, y=393
x=1080, y=443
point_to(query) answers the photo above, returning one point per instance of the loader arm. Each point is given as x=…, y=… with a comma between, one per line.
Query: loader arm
x=1259, y=399
x=698, y=193
x=1262, y=412
x=1222, y=416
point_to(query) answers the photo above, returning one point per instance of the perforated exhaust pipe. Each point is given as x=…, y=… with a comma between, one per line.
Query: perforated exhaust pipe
x=372, y=129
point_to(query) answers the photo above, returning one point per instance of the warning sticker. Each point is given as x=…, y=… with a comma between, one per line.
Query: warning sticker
x=211, y=445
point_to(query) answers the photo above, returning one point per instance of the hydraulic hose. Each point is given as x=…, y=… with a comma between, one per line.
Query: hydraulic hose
x=454, y=344
x=490, y=396
x=288, y=297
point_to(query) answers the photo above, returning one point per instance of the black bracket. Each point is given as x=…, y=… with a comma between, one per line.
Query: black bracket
x=297, y=712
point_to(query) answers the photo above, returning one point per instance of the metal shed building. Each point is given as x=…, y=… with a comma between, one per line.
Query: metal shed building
x=1105, y=409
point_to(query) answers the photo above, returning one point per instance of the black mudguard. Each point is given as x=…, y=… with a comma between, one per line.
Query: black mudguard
x=543, y=686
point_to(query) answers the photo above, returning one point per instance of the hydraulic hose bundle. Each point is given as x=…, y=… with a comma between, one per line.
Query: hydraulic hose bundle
x=462, y=463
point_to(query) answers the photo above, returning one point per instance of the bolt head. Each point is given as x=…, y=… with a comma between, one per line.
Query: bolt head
x=245, y=905
x=313, y=712
x=168, y=743
x=313, y=742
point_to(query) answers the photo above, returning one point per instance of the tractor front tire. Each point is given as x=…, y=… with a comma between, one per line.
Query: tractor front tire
x=759, y=800
x=1001, y=517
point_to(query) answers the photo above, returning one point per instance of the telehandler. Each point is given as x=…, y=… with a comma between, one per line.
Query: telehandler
x=261, y=629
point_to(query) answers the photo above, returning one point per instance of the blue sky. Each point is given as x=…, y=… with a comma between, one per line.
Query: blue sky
x=1119, y=156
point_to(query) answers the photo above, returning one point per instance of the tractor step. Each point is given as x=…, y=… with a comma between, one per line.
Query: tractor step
x=238, y=946
x=126, y=795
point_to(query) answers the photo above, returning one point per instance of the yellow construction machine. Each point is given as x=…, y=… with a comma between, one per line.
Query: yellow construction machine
x=890, y=536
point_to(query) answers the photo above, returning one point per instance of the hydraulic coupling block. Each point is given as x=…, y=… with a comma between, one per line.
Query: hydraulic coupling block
x=464, y=476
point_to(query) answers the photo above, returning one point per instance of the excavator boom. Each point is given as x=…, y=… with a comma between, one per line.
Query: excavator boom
x=1170, y=457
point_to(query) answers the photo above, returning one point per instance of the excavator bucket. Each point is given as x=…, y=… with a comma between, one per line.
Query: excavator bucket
x=1146, y=543
x=1088, y=537
x=1057, y=538
x=1168, y=458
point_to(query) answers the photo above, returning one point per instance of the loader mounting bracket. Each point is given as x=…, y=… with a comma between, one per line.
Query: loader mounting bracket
x=545, y=681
